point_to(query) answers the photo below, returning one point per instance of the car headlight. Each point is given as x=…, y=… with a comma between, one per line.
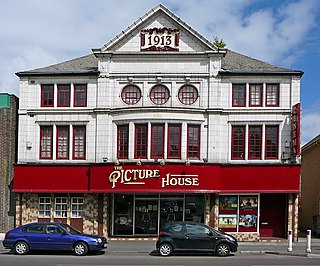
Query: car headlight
x=99, y=240
x=231, y=238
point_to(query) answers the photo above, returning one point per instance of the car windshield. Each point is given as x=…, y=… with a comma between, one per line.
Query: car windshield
x=71, y=229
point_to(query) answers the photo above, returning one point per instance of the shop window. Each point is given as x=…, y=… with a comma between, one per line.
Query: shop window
x=272, y=95
x=44, y=207
x=194, y=208
x=79, y=142
x=46, y=142
x=157, y=141
x=47, y=95
x=159, y=94
x=255, y=138
x=131, y=94
x=141, y=141
x=255, y=95
x=238, y=95
x=61, y=207
x=187, y=94
x=62, y=142
x=123, y=141
x=63, y=95
x=193, y=142
x=174, y=141
x=77, y=207
x=238, y=143
x=123, y=215
x=271, y=142
x=80, y=95
x=228, y=209
x=248, y=213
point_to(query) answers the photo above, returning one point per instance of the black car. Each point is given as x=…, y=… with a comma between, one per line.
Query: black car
x=194, y=237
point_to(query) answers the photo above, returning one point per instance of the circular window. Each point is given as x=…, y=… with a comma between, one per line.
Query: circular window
x=187, y=94
x=159, y=94
x=131, y=94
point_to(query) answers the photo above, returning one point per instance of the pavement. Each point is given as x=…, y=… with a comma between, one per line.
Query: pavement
x=147, y=245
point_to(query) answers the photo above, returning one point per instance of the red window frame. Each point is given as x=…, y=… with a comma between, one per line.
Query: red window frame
x=271, y=142
x=255, y=95
x=64, y=95
x=141, y=141
x=174, y=141
x=272, y=95
x=80, y=95
x=255, y=141
x=157, y=141
x=238, y=142
x=193, y=142
x=188, y=94
x=79, y=143
x=63, y=139
x=46, y=142
x=47, y=95
x=131, y=94
x=239, y=95
x=159, y=94
x=123, y=141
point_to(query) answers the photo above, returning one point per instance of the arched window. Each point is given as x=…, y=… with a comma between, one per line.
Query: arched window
x=159, y=94
x=131, y=94
x=187, y=94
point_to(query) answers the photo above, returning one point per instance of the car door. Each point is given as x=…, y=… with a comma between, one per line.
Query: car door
x=177, y=235
x=57, y=239
x=199, y=237
x=35, y=236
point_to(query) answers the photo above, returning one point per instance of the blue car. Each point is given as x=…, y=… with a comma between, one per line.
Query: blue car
x=52, y=236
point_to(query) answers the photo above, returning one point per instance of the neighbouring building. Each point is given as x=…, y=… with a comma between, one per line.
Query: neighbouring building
x=310, y=187
x=9, y=105
x=160, y=125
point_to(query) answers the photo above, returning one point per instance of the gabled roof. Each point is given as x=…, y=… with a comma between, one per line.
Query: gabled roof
x=311, y=143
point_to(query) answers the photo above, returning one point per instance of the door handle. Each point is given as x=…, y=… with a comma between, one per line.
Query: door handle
x=187, y=237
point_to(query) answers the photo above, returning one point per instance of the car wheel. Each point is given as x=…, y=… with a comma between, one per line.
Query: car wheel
x=165, y=249
x=223, y=249
x=21, y=248
x=80, y=249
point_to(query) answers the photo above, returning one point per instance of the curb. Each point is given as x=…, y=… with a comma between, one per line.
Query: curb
x=308, y=255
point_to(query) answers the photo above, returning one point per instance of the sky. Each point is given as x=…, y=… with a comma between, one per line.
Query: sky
x=286, y=33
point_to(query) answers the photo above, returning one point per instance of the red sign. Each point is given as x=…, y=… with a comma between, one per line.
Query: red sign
x=295, y=130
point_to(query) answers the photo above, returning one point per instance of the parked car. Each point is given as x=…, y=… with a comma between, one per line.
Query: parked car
x=52, y=236
x=194, y=237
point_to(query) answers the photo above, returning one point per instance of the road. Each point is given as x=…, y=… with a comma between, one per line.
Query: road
x=146, y=259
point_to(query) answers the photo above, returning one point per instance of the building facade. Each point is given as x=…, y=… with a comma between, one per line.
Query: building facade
x=9, y=105
x=160, y=125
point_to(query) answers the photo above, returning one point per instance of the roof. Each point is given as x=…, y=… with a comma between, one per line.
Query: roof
x=311, y=143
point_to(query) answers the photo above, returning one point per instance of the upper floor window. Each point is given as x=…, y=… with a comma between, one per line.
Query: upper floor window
x=193, y=142
x=131, y=94
x=79, y=142
x=47, y=95
x=271, y=142
x=157, y=141
x=239, y=95
x=159, y=94
x=255, y=138
x=80, y=95
x=255, y=95
x=64, y=95
x=141, y=141
x=272, y=95
x=187, y=94
x=123, y=141
x=174, y=141
x=238, y=143
x=62, y=142
x=46, y=142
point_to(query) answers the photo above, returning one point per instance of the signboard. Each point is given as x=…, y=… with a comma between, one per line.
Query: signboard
x=160, y=39
x=295, y=130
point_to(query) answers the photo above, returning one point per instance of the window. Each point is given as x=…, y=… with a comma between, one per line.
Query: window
x=62, y=142
x=141, y=141
x=77, y=207
x=123, y=141
x=157, y=141
x=131, y=94
x=255, y=96
x=79, y=142
x=272, y=95
x=46, y=142
x=193, y=142
x=64, y=95
x=34, y=229
x=61, y=207
x=47, y=95
x=238, y=143
x=239, y=95
x=159, y=94
x=80, y=95
x=188, y=94
x=53, y=229
x=174, y=141
x=44, y=207
x=255, y=142
x=271, y=144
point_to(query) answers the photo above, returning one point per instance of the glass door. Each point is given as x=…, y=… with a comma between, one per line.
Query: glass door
x=146, y=216
x=171, y=210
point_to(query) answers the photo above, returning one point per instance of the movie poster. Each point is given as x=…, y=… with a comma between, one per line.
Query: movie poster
x=229, y=203
x=248, y=203
x=227, y=221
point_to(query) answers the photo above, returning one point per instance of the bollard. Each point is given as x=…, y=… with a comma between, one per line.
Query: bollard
x=308, y=250
x=289, y=240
